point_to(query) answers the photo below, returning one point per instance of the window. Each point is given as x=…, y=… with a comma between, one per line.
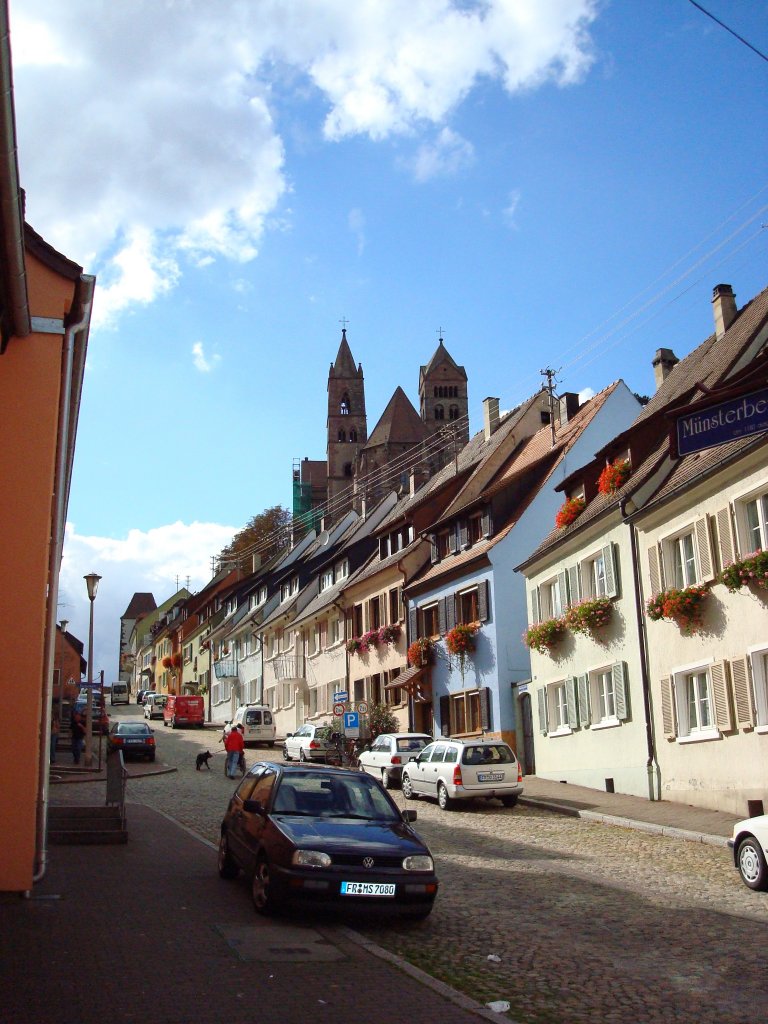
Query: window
x=429, y=621
x=695, y=704
x=552, y=599
x=342, y=435
x=395, y=604
x=683, y=560
x=558, y=715
x=606, y=695
x=453, y=412
x=374, y=613
x=465, y=713
x=475, y=529
x=326, y=580
x=467, y=610
x=347, y=469
x=353, y=435
x=344, y=406
x=759, y=665
x=342, y=570
x=560, y=706
x=334, y=631
x=698, y=700
x=439, y=412
x=752, y=523
x=596, y=583
x=443, y=544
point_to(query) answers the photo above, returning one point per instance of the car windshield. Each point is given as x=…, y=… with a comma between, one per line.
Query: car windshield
x=490, y=753
x=132, y=729
x=406, y=744
x=324, y=732
x=338, y=796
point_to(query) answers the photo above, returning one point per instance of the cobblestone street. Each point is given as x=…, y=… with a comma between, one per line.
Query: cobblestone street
x=589, y=922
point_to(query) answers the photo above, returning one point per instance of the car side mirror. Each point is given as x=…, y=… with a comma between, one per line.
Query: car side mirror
x=409, y=815
x=253, y=806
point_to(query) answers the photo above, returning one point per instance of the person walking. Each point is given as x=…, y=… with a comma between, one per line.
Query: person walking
x=241, y=760
x=54, y=737
x=78, y=737
x=234, y=744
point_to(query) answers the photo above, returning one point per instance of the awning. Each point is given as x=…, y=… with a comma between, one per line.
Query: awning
x=414, y=683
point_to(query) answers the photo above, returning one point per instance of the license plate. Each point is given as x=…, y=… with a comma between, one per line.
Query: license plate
x=134, y=741
x=367, y=889
x=490, y=776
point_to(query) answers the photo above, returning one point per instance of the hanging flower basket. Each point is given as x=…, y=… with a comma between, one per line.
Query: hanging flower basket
x=685, y=607
x=589, y=615
x=460, y=642
x=167, y=661
x=545, y=635
x=177, y=660
x=569, y=512
x=420, y=652
x=614, y=476
x=750, y=571
x=370, y=639
x=390, y=634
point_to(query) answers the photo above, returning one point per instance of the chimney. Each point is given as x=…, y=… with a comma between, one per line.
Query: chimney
x=663, y=363
x=416, y=479
x=724, y=303
x=490, y=416
x=569, y=406
x=255, y=561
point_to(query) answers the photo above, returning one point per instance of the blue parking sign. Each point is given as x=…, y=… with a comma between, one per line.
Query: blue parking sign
x=351, y=720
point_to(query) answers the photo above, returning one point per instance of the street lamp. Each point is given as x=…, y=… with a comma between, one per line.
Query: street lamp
x=92, y=582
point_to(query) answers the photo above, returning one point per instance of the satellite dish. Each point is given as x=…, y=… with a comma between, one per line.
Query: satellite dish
x=323, y=538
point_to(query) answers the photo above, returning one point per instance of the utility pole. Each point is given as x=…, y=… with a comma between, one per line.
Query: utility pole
x=550, y=387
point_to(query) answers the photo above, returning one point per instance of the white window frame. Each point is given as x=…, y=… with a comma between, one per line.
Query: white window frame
x=326, y=580
x=758, y=660
x=553, y=600
x=682, y=565
x=680, y=679
x=557, y=699
x=599, y=693
x=341, y=569
x=745, y=543
x=335, y=631
x=594, y=575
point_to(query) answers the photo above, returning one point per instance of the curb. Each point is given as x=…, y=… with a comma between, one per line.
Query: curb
x=638, y=826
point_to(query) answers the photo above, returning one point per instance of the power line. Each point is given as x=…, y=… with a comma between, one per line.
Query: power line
x=727, y=29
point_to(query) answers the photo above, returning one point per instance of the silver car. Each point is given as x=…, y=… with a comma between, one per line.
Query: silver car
x=450, y=769
x=389, y=752
x=750, y=850
x=308, y=743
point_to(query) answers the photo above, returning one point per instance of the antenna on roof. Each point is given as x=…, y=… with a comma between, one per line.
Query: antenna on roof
x=550, y=387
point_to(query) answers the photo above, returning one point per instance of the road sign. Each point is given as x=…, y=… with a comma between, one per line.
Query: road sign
x=340, y=695
x=338, y=710
x=362, y=707
x=351, y=723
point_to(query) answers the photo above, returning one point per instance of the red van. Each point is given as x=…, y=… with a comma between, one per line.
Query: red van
x=184, y=709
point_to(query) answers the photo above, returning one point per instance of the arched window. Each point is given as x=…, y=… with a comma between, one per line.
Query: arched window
x=344, y=406
x=453, y=412
x=347, y=469
x=342, y=436
x=436, y=390
x=439, y=412
x=353, y=435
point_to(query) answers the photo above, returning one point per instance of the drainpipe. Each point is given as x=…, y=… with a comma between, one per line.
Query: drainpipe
x=64, y=454
x=651, y=764
x=411, y=698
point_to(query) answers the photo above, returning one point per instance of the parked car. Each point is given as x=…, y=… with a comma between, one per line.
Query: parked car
x=325, y=835
x=99, y=715
x=308, y=743
x=154, y=704
x=386, y=756
x=750, y=850
x=451, y=769
x=184, y=709
x=119, y=694
x=135, y=739
x=257, y=722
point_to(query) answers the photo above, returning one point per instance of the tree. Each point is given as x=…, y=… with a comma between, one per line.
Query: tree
x=380, y=719
x=264, y=534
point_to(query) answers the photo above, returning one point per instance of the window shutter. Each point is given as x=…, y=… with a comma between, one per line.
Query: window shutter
x=611, y=581
x=570, y=697
x=450, y=612
x=433, y=555
x=562, y=586
x=585, y=716
x=542, y=697
x=742, y=693
x=535, y=606
x=482, y=600
x=723, y=718
x=619, y=674
x=441, y=615
x=463, y=534
x=445, y=716
x=453, y=539
x=574, y=590
x=485, y=708
x=487, y=522
x=654, y=569
x=725, y=537
x=413, y=625
x=706, y=570
x=668, y=708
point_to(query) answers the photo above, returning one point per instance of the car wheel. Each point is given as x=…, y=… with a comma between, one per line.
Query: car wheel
x=751, y=862
x=173, y=723
x=302, y=755
x=443, y=799
x=262, y=888
x=385, y=779
x=509, y=801
x=407, y=787
x=227, y=867
x=286, y=755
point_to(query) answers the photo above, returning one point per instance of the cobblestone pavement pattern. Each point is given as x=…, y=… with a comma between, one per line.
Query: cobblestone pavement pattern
x=589, y=922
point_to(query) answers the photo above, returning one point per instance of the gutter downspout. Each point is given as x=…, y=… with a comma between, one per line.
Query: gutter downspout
x=652, y=763
x=411, y=698
x=64, y=455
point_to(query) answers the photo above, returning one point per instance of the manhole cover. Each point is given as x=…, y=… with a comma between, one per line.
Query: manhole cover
x=277, y=944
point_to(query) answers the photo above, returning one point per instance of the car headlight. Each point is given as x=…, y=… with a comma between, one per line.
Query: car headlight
x=310, y=859
x=419, y=862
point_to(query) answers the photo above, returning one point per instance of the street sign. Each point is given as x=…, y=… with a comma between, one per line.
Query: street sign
x=338, y=710
x=362, y=707
x=351, y=723
x=340, y=695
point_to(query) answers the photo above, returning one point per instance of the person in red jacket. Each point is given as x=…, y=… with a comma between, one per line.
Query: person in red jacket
x=234, y=744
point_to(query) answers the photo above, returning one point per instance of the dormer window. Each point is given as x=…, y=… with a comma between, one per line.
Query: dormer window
x=326, y=580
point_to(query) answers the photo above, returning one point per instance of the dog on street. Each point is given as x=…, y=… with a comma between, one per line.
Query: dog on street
x=203, y=759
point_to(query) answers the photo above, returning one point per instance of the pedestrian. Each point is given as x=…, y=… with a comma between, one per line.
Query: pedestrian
x=78, y=736
x=241, y=761
x=54, y=737
x=234, y=744
x=223, y=739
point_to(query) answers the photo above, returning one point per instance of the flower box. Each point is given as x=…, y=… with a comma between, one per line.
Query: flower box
x=461, y=639
x=589, y=615
x=750, y=571
x=569, y=512
x=420, y=652
x=370, y=639
x=614, y=476
x=545, y=635
x=685, y=607
x=354, y=645
x=390, y=634
x=167, y=661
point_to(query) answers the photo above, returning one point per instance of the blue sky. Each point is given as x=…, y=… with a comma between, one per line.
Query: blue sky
x=552, y=182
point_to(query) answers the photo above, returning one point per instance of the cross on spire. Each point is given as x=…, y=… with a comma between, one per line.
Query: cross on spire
x=343, y=323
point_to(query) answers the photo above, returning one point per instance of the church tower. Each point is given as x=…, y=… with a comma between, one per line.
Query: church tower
x=443, y=396
x=347, y=427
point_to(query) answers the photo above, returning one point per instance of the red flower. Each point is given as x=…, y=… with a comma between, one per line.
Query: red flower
x=614, y=476
x=568, y=512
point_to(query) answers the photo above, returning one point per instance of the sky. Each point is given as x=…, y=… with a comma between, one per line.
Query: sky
x=543, y=183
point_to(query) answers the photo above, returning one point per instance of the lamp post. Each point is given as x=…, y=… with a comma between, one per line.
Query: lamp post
x=63, y=626
x=92, y=582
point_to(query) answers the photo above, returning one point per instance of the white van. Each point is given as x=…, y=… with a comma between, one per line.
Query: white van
x=119, y=694
x=257, y=722
x=154, y=704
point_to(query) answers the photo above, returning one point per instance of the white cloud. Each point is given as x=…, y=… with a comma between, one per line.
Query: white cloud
x=511, y=208
x=160, y=114
x=144, y=561
x=202, y=362
x=448, y=154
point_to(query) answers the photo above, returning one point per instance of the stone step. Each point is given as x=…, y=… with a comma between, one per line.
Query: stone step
x=63, y=812
x=85, y=825
x=63, y=837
